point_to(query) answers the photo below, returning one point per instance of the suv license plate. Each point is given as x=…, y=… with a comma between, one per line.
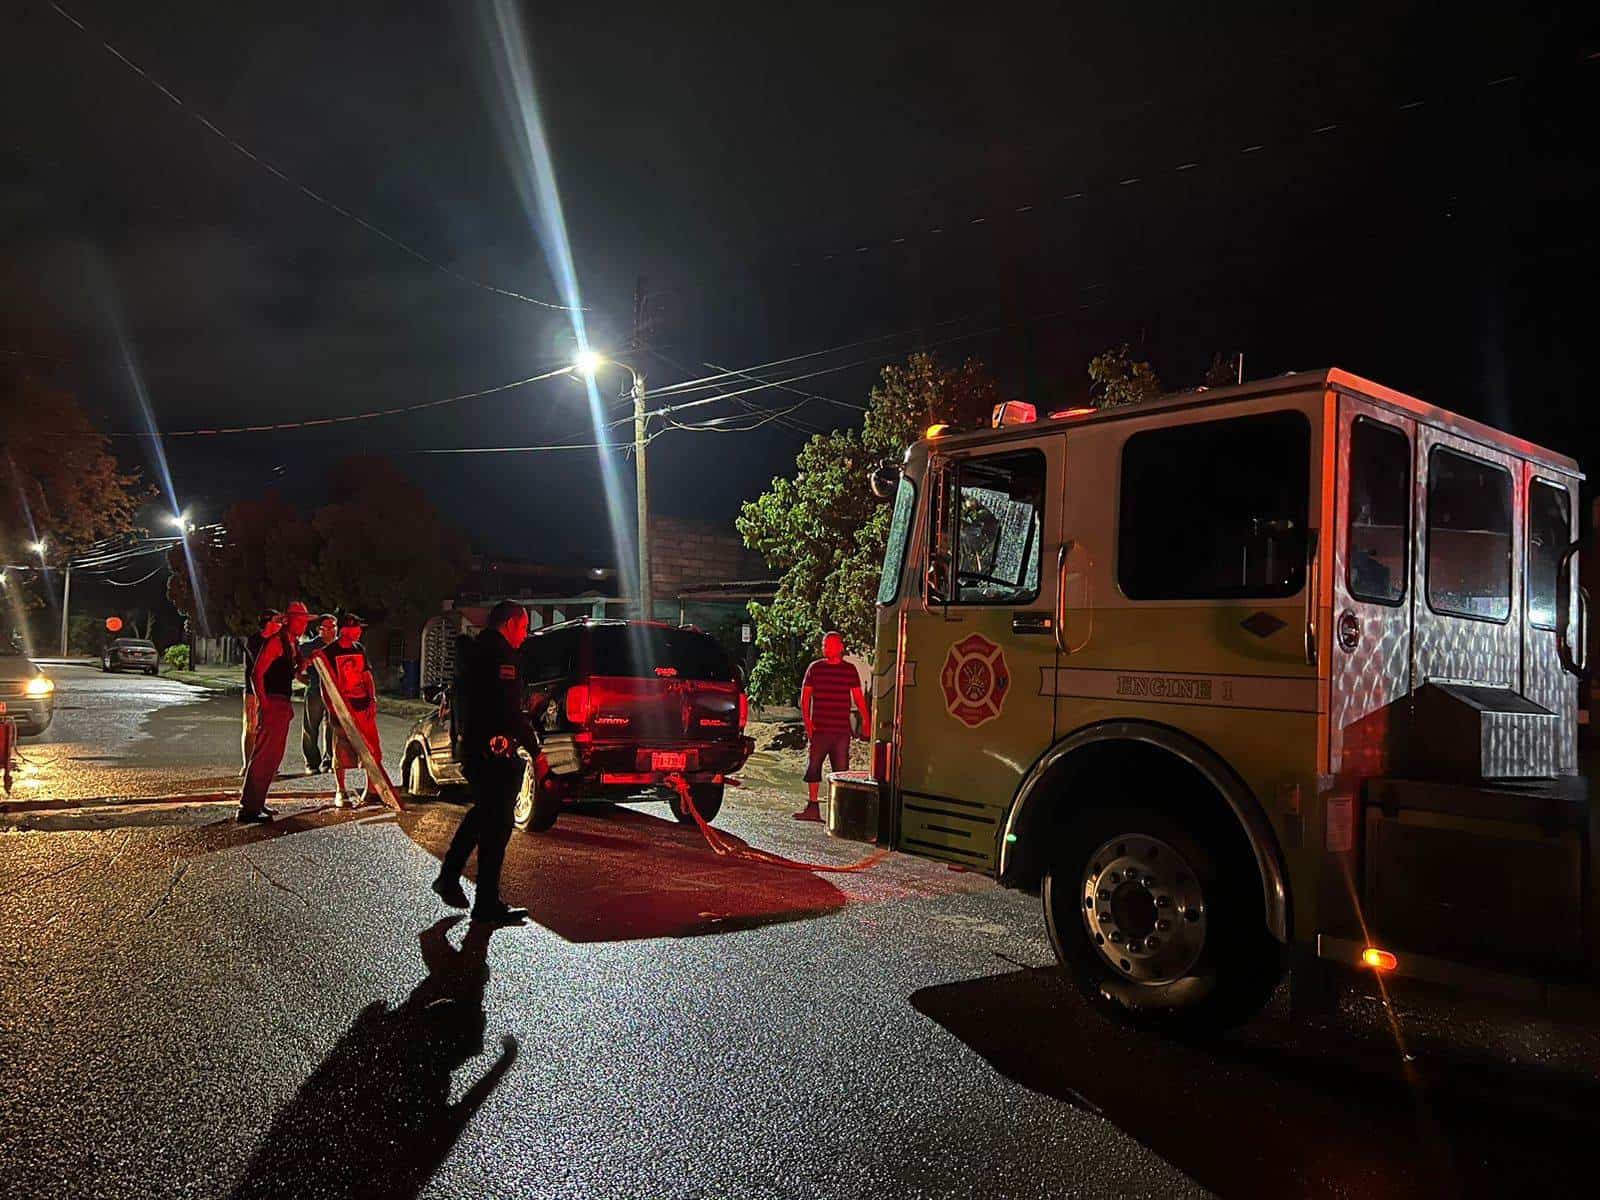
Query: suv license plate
x=668, y=760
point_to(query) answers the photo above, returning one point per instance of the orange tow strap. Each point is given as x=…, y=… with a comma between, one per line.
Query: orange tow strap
x=725, y=848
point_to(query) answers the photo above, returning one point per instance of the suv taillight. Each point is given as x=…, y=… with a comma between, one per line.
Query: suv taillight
x=744, y=710
x=578, y=707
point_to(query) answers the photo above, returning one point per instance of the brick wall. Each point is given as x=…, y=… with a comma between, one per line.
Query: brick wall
x=686, y=554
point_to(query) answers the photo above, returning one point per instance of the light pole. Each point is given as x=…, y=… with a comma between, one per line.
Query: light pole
x=39, y=548
x=588, y=363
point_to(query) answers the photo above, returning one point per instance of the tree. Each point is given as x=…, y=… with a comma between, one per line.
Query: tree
x=260, y=562
x=59, y=482
x=353, y=554
x=394, y=572
x=1117, y=378
x=1224, y=369
x=824, y=530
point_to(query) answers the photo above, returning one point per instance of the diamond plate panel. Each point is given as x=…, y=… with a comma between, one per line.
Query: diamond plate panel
x=1367, y=682
x=1517, y=745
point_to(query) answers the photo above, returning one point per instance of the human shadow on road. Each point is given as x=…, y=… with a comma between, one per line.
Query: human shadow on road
x=1279, y=1109
x=611, y=873
x=375, y=1118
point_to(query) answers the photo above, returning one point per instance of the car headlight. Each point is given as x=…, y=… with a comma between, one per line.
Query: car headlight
x=40, y=685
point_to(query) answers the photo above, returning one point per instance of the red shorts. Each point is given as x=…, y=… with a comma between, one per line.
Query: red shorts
x=832, y=746
x=366, y=719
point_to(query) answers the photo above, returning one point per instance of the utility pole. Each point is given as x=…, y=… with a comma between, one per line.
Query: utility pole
x=640, y=442
x=66, y=601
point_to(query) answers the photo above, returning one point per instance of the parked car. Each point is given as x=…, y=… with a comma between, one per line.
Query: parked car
x=27, y=694
x=130, y=654
x=621, y=705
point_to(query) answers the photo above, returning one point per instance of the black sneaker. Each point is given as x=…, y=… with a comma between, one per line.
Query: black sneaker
x=499, y=914
x=246, y=817
x=449, y=890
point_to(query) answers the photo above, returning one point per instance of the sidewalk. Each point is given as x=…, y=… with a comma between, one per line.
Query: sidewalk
x=230, y=678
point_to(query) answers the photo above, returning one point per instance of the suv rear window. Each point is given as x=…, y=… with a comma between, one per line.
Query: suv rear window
x=648, y=651
x=134, y=644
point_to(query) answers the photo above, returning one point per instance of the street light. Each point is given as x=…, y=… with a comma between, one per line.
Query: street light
x=38, y=547
x=182, y=522
x=587, y=363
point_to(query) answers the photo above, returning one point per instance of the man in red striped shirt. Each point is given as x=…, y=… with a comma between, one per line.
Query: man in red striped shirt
x=830, y=687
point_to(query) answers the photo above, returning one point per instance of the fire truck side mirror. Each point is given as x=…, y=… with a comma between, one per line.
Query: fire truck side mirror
x=884, y=481
x=1574, y=653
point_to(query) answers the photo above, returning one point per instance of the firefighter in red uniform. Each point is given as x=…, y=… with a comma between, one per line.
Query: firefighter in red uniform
x=272, y=674
x=352, y=674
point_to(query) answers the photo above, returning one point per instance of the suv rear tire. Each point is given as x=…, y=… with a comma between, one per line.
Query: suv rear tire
x=419, y=778
x=1158, y=920
x=537, y=807
x=707, y=799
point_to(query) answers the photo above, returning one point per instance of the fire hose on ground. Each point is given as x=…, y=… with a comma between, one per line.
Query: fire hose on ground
x=725, y=847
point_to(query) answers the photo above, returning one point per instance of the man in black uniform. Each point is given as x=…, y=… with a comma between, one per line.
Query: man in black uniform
x=316, y=726
x=488, y=701
x=267, y=626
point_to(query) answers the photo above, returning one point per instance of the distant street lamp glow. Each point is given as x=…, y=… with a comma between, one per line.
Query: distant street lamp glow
x=588, y=362
x=38, y=547
x=181, y=520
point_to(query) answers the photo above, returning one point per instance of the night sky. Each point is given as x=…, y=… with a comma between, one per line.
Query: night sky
x=777, y=172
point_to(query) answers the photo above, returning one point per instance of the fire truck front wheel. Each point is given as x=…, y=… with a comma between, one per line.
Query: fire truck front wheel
x=1159, y=924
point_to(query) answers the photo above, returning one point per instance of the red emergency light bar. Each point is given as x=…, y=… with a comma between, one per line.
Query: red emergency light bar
x=1013, y=412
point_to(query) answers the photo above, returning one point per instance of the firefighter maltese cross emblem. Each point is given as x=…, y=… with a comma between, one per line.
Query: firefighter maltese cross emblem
x=975, y=680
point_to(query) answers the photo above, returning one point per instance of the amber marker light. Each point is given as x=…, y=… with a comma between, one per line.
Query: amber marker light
x=1072, y=412
x=934, y=431
x=1378, y=960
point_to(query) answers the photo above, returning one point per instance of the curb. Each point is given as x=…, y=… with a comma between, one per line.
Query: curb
x=8, y=808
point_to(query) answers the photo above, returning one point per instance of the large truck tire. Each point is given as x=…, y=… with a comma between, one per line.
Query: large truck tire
x=1159, y=920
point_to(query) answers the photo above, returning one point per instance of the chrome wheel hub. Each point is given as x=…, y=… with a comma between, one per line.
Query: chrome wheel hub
x=1143, y=909
x=523, y=811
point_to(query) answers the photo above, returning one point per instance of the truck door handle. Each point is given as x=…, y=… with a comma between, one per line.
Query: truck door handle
x=1032, y=622
x=1574, y=655
x=1061, y=596
x=1311, y=598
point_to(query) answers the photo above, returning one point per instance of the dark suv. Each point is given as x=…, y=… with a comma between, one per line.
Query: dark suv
x=621, y=705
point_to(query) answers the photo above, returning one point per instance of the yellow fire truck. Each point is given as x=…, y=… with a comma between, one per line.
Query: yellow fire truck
x=1269, y=675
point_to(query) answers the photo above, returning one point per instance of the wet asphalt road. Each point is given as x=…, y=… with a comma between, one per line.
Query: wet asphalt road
x=193, y=1008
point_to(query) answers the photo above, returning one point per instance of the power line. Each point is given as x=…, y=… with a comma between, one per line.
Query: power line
x=239, y=147
x=667, y=410
x=781, y=418
x=132, y=582
x=314, y=422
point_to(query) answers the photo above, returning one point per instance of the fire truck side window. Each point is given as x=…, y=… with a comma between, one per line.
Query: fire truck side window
x=894, y=554
x=1549, y=531
x=997, y=512
x=1469, y=537
x=1379, y=530
x=1216, y=510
